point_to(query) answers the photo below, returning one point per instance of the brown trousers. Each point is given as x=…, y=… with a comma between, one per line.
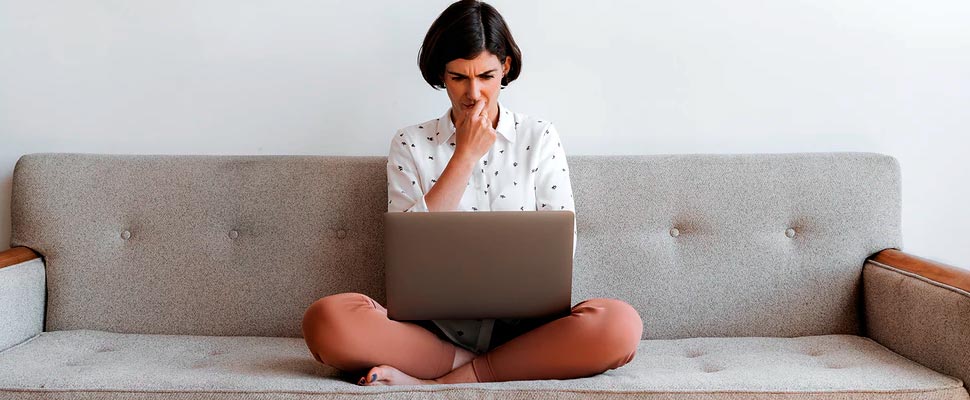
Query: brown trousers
x=351, y=332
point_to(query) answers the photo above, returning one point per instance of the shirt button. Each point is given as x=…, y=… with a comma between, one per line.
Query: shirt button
x=460, y=333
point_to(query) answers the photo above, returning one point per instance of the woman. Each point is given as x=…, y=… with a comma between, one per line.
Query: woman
x=459, y=162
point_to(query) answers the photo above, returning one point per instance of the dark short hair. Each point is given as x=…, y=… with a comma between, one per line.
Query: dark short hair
x=464, y=30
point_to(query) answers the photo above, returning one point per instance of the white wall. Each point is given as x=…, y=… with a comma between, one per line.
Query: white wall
x=623, y=77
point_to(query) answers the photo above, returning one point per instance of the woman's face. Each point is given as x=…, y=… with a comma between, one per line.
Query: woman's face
x=470, y=80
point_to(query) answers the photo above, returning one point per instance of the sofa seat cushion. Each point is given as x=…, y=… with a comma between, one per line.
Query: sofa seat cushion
x=82, y=363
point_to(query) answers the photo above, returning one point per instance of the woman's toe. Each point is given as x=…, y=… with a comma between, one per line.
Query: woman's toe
x=373, y=377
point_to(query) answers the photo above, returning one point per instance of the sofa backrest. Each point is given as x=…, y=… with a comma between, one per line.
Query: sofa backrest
x=701, y=245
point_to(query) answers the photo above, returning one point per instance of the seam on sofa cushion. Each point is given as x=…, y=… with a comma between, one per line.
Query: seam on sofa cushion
x=21, y=343
x=920, y=277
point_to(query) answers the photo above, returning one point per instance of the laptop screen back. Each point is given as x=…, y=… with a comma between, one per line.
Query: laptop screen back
x=471, y=265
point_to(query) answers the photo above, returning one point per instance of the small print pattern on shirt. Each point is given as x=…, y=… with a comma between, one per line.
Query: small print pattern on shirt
x=525, y=169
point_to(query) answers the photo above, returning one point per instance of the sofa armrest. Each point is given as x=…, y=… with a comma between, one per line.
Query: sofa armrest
x=919, y=309
x=22, y=296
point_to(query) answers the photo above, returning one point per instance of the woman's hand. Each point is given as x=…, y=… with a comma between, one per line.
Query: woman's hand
x=475, y=135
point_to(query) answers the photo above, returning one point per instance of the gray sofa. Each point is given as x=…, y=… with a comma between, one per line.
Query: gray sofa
x=771, y=276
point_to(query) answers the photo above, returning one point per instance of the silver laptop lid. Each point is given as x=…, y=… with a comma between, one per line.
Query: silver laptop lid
x=471, y=265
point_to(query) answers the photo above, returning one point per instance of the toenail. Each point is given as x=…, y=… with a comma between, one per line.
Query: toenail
x=373, y=377
x=361, y=381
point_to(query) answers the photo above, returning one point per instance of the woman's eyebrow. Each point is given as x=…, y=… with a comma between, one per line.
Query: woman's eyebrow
x=464, y=76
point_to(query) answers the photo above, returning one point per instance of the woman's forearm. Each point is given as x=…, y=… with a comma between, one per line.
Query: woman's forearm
x=450, y=186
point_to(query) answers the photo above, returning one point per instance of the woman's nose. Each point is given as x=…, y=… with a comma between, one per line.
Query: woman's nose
x=474, y=88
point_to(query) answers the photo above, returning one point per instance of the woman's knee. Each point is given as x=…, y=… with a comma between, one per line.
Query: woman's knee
x=620, y=328
x=331, y=308
x=325, y=323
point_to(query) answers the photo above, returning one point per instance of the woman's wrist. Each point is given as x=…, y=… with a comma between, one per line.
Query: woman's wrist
x=463, y=159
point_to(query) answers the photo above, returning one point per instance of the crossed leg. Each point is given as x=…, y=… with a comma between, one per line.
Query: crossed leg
x=351, y=332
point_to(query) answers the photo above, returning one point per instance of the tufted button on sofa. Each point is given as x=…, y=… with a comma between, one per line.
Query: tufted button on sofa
x=771, y=276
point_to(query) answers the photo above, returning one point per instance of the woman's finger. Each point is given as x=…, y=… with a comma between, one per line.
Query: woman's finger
x=479, y=106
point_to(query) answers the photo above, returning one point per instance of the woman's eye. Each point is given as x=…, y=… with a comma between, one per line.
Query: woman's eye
x=458, y=78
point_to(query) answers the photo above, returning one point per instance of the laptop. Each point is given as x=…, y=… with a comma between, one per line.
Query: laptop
x=477, y=265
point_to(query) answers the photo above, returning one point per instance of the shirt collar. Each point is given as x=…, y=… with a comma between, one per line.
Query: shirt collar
x=505, y=128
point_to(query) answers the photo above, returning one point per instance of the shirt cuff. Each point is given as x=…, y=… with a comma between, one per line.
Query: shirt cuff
x=419, y=206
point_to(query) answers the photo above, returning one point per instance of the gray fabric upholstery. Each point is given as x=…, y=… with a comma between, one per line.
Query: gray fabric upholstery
x=923, y=320
x=21, y=302
x=241, y=245
x=72, y=364
x=187, y=277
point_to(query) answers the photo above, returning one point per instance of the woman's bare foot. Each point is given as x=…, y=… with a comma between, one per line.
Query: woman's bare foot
x=387, y=375
x=390, y=376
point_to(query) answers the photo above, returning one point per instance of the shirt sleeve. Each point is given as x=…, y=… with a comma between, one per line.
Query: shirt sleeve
x=554, y=191
x=404, y=193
